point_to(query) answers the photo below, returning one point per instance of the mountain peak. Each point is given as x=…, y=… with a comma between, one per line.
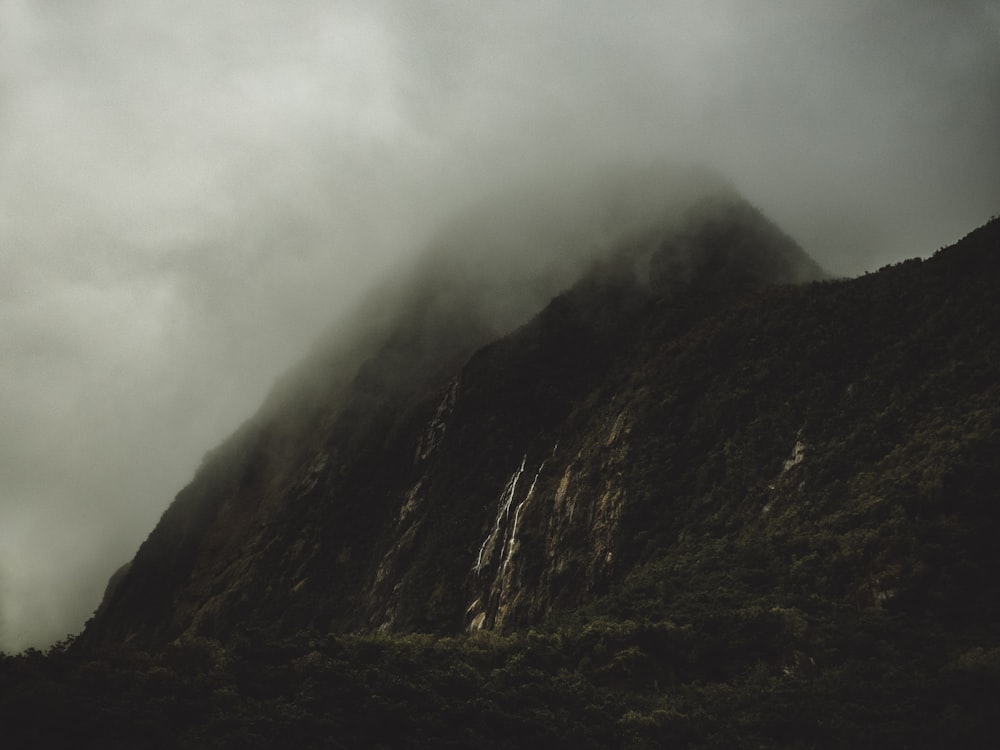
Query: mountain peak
x=352, y=500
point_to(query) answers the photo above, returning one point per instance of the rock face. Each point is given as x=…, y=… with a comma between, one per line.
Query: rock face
x=677, y=406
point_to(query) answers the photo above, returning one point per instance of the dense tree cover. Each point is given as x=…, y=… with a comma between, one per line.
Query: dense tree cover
x=735, y=680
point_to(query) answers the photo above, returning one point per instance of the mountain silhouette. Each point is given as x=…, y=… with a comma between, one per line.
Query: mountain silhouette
x=385, y=488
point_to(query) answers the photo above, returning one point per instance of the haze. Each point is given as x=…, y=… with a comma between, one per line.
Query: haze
x=190, y=192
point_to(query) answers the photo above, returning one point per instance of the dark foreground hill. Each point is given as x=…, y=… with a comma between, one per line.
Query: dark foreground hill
x=685, y=504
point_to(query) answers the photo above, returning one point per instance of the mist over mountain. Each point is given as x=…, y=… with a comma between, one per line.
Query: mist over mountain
x=501, y=259
x=673, y=481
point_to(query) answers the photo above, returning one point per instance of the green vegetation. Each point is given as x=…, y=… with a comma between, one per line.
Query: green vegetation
x=738, y=679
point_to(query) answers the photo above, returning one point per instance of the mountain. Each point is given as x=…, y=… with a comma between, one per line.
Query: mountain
x=621, y=468
x=424, y=489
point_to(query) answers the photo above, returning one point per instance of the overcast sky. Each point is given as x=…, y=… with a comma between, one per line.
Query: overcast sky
x=191, y=190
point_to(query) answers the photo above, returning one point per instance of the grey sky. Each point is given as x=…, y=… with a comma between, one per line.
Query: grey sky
x=191, y=191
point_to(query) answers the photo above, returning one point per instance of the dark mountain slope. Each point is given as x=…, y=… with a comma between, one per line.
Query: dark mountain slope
x=826, y=446
x=830, y=446
x=637, y=425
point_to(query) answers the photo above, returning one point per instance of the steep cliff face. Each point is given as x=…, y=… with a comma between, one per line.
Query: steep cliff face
x=666, y=415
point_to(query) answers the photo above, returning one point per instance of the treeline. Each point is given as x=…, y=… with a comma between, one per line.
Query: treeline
x=733, y=680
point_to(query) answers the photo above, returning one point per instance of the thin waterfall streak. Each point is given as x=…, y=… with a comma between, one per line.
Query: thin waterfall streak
x=517, y=517
x=503, y=511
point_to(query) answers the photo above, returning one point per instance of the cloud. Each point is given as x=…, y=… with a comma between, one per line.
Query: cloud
x=191, y=192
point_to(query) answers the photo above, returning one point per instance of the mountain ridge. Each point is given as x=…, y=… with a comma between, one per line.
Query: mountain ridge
x=575, y=334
